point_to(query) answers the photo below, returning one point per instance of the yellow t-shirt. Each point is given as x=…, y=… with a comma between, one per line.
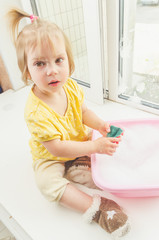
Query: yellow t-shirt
x=45, y=124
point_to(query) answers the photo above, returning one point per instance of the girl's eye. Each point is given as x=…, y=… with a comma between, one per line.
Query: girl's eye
x=40, y=64
x=59, y=60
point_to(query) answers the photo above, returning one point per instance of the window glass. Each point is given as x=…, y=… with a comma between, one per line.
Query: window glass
x=68, y=14
x=139, y=51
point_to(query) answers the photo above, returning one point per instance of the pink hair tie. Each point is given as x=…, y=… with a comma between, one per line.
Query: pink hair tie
x=33, y=17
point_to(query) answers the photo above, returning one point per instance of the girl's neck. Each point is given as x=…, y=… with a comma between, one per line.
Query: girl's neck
x=57, y=100
x=48, y=95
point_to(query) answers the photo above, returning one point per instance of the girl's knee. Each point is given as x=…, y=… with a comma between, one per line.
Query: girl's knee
x=51, y=182
x=52, y=188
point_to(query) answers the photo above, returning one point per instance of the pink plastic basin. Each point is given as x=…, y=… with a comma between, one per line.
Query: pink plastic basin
x=133, y=171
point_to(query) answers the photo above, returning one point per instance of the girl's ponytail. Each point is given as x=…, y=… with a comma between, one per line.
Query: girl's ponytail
x=14, y=16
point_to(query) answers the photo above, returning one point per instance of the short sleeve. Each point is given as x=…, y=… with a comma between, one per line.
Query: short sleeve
x=42, y=129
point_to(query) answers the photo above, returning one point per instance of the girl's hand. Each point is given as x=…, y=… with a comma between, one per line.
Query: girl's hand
x=105, y=145
x=104, y=128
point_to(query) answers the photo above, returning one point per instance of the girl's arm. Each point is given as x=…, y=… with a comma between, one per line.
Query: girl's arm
x=93, y=121
x=73, y=149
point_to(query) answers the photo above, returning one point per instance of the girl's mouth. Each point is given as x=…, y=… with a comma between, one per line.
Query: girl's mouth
x=54, y=83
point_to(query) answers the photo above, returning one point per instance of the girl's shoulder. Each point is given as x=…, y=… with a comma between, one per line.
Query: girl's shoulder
x=72, y=84
x=74, y=90
x=34, y=107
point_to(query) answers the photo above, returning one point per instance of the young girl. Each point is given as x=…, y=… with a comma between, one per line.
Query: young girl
x=58, y=121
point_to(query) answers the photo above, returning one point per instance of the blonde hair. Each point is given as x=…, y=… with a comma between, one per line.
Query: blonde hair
x=34, y=34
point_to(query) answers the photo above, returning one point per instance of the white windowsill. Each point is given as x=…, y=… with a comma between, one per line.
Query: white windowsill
x=118, y=111
x=24, y=210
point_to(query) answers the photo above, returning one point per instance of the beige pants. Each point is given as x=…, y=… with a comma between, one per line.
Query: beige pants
x=52, y=177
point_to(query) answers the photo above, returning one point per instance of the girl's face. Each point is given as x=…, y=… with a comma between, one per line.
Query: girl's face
x=49, y=69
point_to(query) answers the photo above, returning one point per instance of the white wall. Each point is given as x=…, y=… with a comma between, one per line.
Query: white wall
x=7, y=49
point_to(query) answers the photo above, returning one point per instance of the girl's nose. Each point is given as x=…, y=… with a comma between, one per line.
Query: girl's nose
x=51, y=70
